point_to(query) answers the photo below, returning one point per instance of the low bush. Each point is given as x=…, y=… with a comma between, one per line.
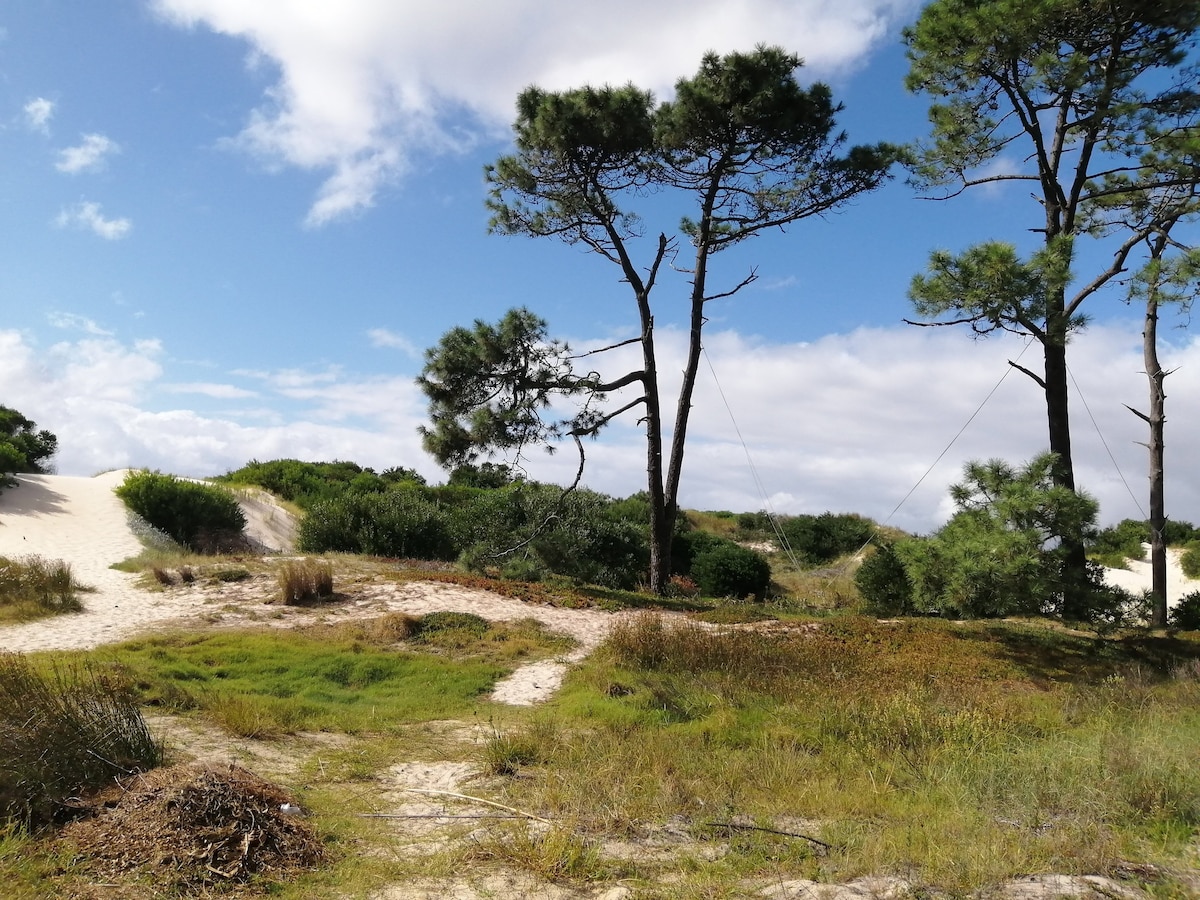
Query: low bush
x=31, y=587
x=731, y=571
x=400, y=524
x=1189, y=561
x=64, y=732
x=305, y=580
x=448, y=620
x=816, y=540
x=1186, y=613
x=1113, y=545
x=883, y=583
x=199, y=516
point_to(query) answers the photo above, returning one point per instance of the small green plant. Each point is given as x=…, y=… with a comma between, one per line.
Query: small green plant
x=200, y=516
x=506, y=753
x=64, y=731
x=229, y=575
x=305, y=581
x=32, y=587
x=447, y=620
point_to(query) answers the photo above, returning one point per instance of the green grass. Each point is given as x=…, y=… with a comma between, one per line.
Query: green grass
x=351, y=679
x=32, y=588
x=957, y=756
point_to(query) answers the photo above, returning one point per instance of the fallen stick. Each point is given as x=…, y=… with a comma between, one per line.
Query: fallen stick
x=430, y=816
x=793, y=834
x=470, y=799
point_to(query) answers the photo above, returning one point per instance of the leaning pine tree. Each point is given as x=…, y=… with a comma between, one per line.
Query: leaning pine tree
x=750, y=150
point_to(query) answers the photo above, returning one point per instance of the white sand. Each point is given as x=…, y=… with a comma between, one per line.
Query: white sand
x=1138, y=578
x=79, y=521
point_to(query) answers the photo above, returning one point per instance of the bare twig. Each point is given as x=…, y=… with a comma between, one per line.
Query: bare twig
x=471, y=799
x=735, y=825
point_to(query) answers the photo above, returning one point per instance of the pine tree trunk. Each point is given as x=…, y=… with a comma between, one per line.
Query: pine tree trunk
x=1156, y=420
x=1074, y=576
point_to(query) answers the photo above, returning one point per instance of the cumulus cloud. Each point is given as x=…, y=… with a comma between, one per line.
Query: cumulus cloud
x=87, y=215
x=89, y=156
x=366, y=86
x=38, y=113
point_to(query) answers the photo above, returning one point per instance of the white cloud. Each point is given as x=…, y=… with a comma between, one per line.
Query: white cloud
x=38, y=113
x=209, y=389
x=86, y=214
x=365, y=86
x=849, y=422
x=91, y=155
x=74, y=321
x=382, y=337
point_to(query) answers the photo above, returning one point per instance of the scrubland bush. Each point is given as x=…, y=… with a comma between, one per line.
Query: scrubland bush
x=199, y=516
x=1186, y=614
x=816, y=540
x=305, y=580
x=64, y=732
x=728, y=570
x=883, y=583
x=1189, y=561
x=398, y=523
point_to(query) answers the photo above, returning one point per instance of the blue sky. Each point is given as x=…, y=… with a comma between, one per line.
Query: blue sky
x=232, y=229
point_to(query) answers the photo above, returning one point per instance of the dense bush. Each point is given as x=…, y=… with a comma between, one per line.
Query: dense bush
x=815, y=540
x=199, y=516
x=1186, y=614
x=728, y=570
x=306, y=483
x=22, y=449
x=63, y=733
x=883, y=583
x=1113, y=545
x=399, y=523
x=1189, y=561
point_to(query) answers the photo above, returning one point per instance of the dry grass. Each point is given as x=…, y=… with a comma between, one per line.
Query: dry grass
x=305, y=581
x=32, y=587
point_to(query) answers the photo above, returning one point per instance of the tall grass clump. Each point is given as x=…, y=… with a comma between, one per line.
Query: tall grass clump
x=199, y=516
x=305, y=580
x=32, y=587
x=65, y=731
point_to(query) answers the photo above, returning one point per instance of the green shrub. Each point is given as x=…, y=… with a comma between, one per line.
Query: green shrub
x=883, y=583
x=1186, y=614
x=306, y=483
x=731, y=571
x=62, y=733
x=199, y=516
x=1189, y=561
x=816, y=540
x=1117, y=543
x=399, y=524
x=448, y=620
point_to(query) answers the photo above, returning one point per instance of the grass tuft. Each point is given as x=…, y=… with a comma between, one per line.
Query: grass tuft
x=65, y=730
x=305, y=581
x=32, y=587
